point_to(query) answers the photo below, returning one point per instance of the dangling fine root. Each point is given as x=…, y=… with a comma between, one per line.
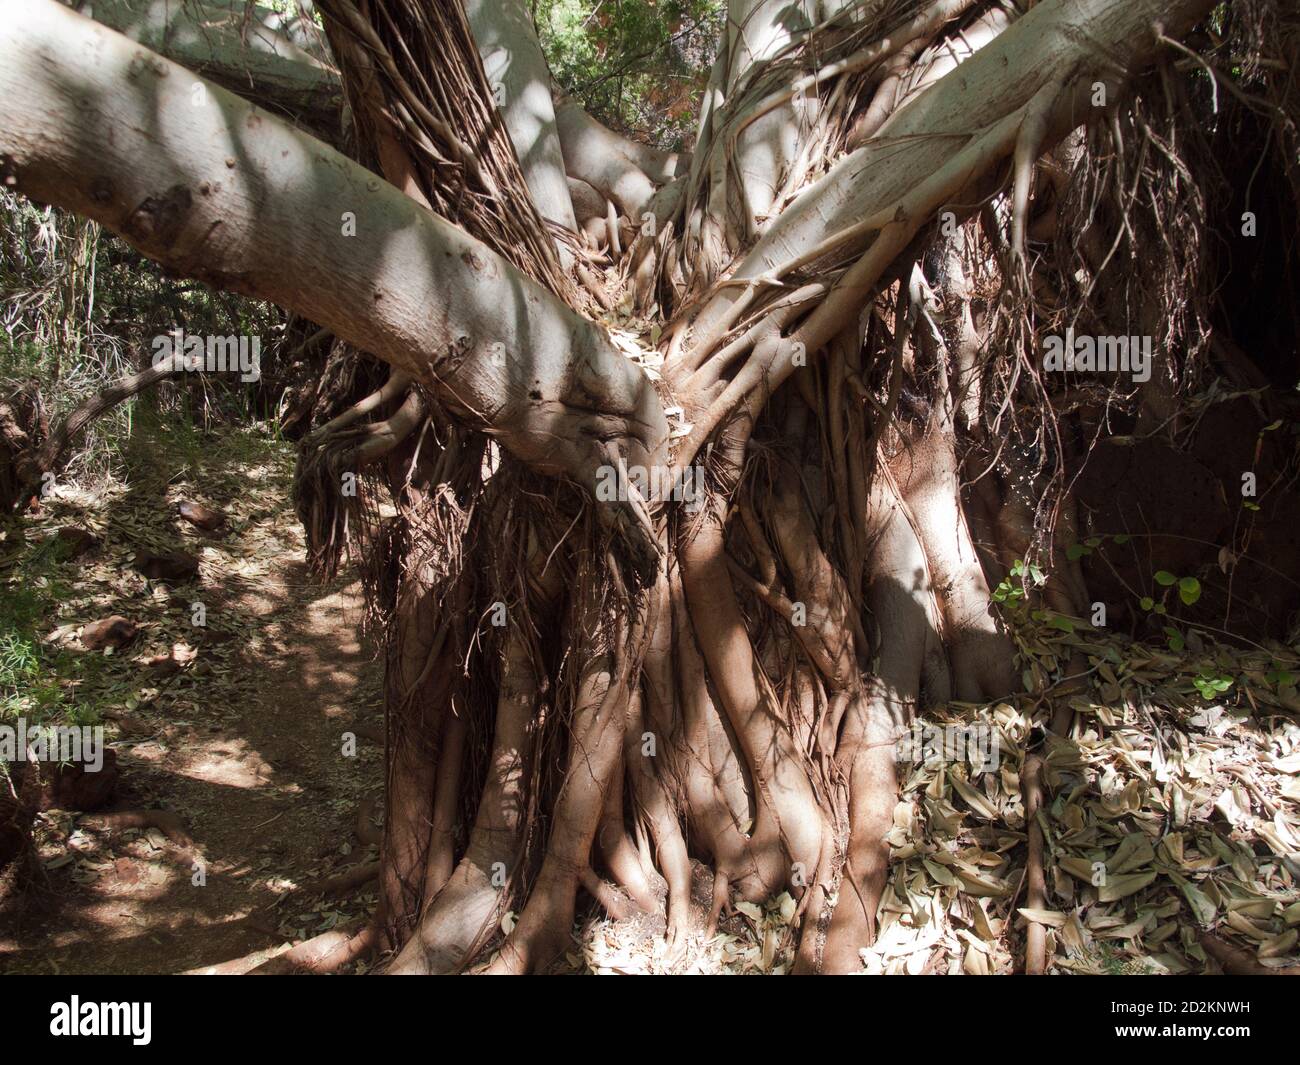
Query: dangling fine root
x=460, y=914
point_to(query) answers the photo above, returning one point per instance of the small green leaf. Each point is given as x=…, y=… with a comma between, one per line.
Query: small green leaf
x=1165, y=578
x=1146, y=602
x=1189, y=590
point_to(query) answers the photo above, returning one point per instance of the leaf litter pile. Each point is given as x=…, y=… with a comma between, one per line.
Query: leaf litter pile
x=1173, y=811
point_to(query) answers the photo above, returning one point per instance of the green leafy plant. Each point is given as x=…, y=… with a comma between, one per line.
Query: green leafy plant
x=1281, y=679
x=37, y=681
x=639, y=65
x=1011, y=590
x=1189, y=591
x=1211, y=685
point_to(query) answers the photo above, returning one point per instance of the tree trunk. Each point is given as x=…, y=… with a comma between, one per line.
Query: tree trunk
x=720, y=669
x=516, y=68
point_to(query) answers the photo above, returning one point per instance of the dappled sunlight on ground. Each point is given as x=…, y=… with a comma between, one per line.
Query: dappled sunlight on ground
x=235, y=725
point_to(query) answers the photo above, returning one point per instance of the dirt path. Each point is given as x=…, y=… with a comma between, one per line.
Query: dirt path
x=246, y=745
x=263, y=789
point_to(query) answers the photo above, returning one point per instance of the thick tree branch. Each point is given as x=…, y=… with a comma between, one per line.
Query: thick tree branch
x=264, y=58
x=215, y=188
x=1040, y=49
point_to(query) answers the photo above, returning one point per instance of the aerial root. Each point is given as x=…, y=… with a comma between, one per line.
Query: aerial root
x=873, y=794
x=326, y=953
x=617, y=851
x=596, y=737
x=787, y=807
x=610, y=899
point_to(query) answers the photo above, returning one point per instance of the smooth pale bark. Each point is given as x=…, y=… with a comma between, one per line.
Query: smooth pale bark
x=581, y=137
x=588, y=204
x=214, y=188
x=267, y=58
x=595, y=155
x=184, y=24
x=1048, y=42
x=942, y=58
x=901, y=601
x=768, y=147
x=516, y=68
x=592, y=211
x=981, y=653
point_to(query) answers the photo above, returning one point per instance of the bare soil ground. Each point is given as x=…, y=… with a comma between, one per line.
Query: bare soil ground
x=237, y=727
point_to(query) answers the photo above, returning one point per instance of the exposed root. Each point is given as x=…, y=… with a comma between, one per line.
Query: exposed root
x=598, y=725
x=366, y=831
x=167, y=822
x=1237, y=962
x=323, y=954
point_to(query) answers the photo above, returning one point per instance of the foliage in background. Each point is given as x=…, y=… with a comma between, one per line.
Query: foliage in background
x=79, y=309
x=637, y=65
x=40, y=682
